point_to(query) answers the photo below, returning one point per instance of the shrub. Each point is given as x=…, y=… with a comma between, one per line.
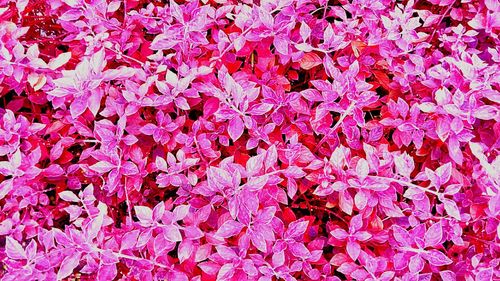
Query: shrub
x=233, y=140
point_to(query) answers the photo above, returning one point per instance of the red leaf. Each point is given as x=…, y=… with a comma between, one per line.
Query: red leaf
x=310, y=60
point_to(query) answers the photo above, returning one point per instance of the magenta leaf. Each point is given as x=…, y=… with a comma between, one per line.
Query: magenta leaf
x=434, y=235
x=353, y=249
x=401, y=235
x=436, y=258
x=235, y=128
x=68, y=265
x=14, y=250
x=447, y=275
x=299, y=250
x=172, y=233
x=260, y=140
x=185, y=250
x=229, y=229
x=416, y=264
x=129, y=240
x=69, y=196
x=296, y=229
x=144, y=214
x=451, y=208
x=102, y=167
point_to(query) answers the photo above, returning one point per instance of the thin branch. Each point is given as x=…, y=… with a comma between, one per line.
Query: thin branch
x=440, y=20
x=336, y=126
x=129, y=211
x=406, y=184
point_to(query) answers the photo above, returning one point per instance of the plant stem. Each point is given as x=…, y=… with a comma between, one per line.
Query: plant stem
x=128, y=201
x=134, y=258
x=440, y=20
x=335, y=127
x=405, y=184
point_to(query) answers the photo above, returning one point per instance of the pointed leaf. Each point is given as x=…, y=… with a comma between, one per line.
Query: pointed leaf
x=235, y=128
x=13, y=249
x=68, y=265
x=229, y=229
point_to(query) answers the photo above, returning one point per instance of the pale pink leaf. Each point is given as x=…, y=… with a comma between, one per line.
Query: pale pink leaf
x=235, y=128
x=437, y=258
x=433, y=235
x=144, y=214
x=68, y=265
x=60, y=60
x=229, y=228
x=13, y=249
x=353, y=249
x=68, y=196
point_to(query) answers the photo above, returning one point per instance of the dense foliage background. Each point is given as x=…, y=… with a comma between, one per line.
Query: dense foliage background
x=239, y=140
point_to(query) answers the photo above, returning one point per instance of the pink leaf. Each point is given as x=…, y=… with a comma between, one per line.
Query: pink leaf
x=278, y=259
x=299, y=250
x=437, y=258
x=129, y=168
x=185, y=250
x=203, y=252
x=68, y=265
x=102, y=167
x=362, y=169
x=310, y=60
x=53, y=170
x=129, y=240
x=296, y=229
x=226, y=272
x=455, y=150
x=107, y=272
x=226, y=252
x=485, y=275
x=451, y=208
x=339, y=233
x=78, y=107
x=361, y=199
x=256, y=183
x=448, y=275
x=5, y=187
x=362, y=236
x=433, y=235
x=229, y=229
x=13, y=249
x=235, y=128
x=266, y=18
x=180, y=212
x=487, y=112
x=444, y=173
x=346, y=202
x=353, y=249
x=281, y=45
x=210, y=107
x=255, y=164
x=416, y=264
x=60, y=60
x=69, y=196
x=401, y=235
x=144, y=214
x=172, y=233
x=294, y=172
x=305, y=31
x=94, y=227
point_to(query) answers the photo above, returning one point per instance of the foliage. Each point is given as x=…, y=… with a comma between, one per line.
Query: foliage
x=249, y=140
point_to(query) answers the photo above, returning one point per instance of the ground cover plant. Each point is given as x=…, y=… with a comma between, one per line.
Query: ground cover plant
x=249, y=140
